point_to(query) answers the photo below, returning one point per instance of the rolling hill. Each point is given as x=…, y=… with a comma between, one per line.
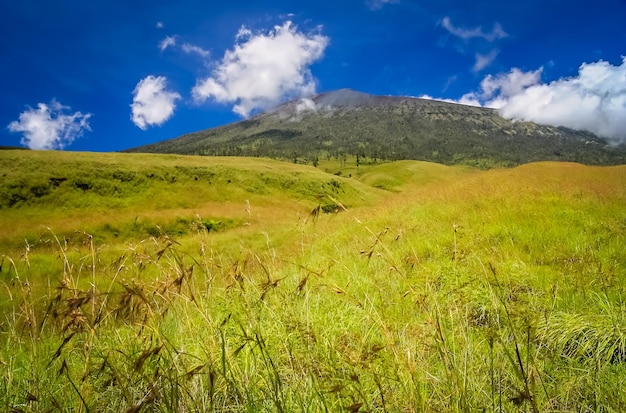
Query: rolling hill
x=151, y=282
x=347, y=123
x=137, y=195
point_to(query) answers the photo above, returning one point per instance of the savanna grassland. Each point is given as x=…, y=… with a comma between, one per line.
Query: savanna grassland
x=140, y=283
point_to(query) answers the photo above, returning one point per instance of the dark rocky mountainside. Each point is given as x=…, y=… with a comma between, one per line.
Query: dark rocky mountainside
x=348, y=123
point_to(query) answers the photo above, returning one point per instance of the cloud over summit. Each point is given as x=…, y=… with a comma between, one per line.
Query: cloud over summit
x=263, y=68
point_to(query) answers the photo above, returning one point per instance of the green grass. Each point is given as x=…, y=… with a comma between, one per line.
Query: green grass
x=450, y=289
x=114, y=196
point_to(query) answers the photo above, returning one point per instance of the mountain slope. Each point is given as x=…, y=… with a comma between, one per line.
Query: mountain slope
x=349, y=123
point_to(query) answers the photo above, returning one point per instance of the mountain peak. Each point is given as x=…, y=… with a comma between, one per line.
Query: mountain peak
x=350, y=98
x=347, y=122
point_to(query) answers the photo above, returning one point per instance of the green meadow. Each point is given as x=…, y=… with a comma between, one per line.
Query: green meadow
x=162, y=283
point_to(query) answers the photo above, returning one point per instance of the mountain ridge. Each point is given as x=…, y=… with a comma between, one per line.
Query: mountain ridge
x=346, y=122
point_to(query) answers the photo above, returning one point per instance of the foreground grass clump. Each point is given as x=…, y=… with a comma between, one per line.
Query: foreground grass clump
x=471, y=291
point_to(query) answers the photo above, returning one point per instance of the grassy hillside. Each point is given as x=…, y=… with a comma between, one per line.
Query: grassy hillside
x=117, y=195
x=428, y=288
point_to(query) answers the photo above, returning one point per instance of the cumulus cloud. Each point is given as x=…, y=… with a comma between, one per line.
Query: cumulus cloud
x=262, y=69
x=495, y=91
x=168, y=41
x=152, y=103
x=49, y=126
x=594, y=100
x=508, y=84
x=477, y=32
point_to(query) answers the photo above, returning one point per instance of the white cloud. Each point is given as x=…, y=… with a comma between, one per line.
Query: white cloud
x=193, y=49
x=188, y=48
x=484, y=41
x=294, y=112
x=152, y=103
x=48, y=127
x=378, y=4
x=167, y=42
x=243, y=34
x=484, y=60
x=262, y=69
x=306, y=105
x=468, y=99
x=509, y=84
x=495, y=91
x=159, y=25
x=477, y=32
x=594, y=100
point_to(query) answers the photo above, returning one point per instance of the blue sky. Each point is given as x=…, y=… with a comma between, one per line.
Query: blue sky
x=109, y=75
